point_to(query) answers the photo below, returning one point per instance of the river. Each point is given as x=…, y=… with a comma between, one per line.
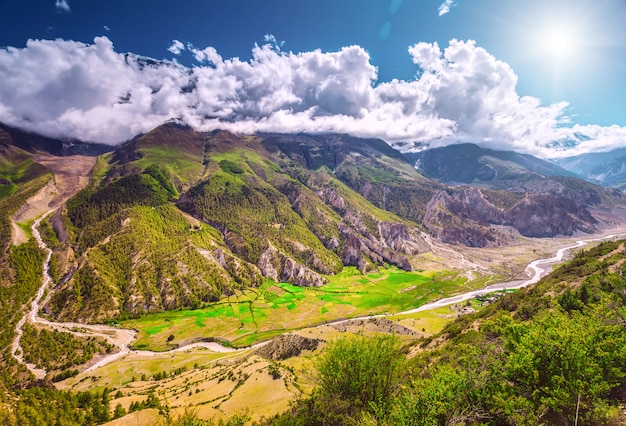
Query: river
x=123, y=338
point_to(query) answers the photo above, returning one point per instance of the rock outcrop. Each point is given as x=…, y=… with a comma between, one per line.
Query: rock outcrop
x=466, y=217
x=287, y=346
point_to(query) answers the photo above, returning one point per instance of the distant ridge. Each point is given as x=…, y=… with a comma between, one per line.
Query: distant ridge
x=32, y=142
x=471, y=164
x=604, y=168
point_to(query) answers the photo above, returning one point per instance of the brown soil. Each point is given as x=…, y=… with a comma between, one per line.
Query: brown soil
x=71, y=174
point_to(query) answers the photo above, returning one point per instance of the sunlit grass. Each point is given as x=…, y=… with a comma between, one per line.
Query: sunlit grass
x=254, y=315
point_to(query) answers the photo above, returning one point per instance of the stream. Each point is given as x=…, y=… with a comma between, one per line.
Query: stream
x=123, y=338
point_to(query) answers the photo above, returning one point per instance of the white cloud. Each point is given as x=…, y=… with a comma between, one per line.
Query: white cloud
x=462, y=94
x=62, y=6
x=445, y=7
x=208, y=54
x=106, y=28
x=271, y=40
x=177, y=47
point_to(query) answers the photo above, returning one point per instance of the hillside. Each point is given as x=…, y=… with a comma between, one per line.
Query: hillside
x=550, y=354
x=183, y=217
x=532, y=196
x=604, y=168
x=471, y=164
x=178, y=218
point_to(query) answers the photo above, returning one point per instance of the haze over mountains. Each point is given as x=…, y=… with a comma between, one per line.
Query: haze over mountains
x=472, y=164
x=605, y=168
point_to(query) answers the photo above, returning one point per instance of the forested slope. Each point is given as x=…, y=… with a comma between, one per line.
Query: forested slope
x=549, y=354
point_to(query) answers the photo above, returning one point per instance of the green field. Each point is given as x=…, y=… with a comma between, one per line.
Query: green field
x=261, y=313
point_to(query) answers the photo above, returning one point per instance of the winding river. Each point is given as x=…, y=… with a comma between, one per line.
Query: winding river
x=123, y=338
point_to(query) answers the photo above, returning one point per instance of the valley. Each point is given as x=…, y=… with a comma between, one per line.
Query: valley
x=200, y=367
x=209, y=272
x=271, y=310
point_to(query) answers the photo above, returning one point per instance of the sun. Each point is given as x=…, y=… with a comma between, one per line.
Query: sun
x=559, y=43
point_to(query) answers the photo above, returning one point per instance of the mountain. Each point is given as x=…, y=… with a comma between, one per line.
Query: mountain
x=471, y=164
x=604, y=168
x=177, y=218
x=182, y=217
x=535, y=197
x=32, y=142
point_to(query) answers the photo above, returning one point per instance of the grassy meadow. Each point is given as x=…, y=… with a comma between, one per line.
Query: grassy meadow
x=257, y=314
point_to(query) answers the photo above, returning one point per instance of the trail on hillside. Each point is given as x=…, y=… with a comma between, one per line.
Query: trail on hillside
x=461, y=261
x=118, y=337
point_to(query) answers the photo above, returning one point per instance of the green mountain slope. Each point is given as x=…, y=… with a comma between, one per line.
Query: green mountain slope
x=368, y=166
x=183, y=217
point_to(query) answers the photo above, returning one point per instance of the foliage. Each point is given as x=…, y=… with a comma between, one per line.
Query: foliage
x=231, y=167
x=562, y=359
x=150, y=402
x=434, y=400
x=54, y=350
x=252, y=214
x=92, y=207
x=153, y=262
x=44, y=406
x=361, y=371
x=190, y=418
x=356, y=376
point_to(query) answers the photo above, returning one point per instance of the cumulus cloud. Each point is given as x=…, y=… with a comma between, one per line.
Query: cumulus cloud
x=62, y=6
x=461, y=94
x=445, y=7
x=177, y=47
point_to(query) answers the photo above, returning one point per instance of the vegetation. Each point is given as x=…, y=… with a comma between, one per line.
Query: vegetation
x=256, y=314
x=54, y=350
x=172, y=273
x=255, y=213
x=92, y=207
x=360, y=373
x=8, y=206
x=45, y=406
x=547, y=355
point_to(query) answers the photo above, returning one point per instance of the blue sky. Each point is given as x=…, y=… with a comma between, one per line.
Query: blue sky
x=552, y=65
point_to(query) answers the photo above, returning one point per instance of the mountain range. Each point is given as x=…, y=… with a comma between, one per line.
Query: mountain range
x=604, y=168
x=176, y=217
x=179, y=219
